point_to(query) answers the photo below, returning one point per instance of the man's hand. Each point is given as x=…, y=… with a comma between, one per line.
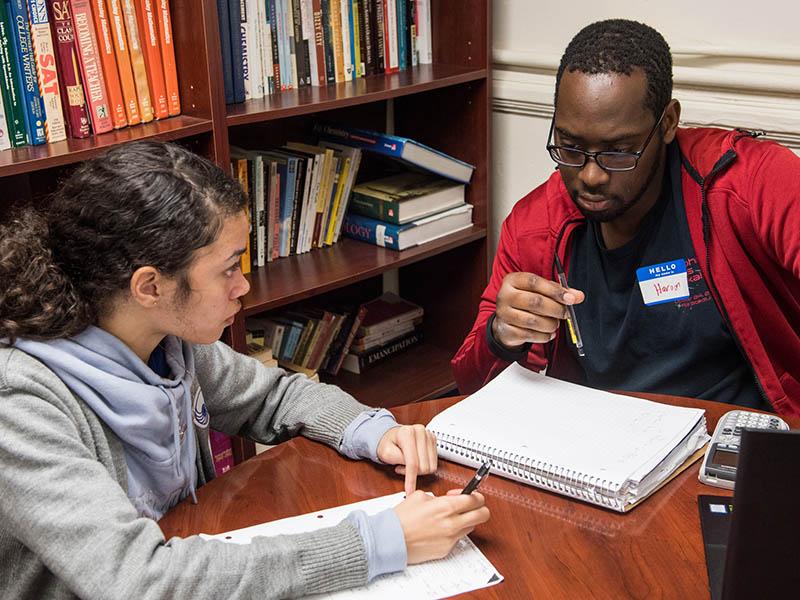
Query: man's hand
x=412, y=448
x=530, y=309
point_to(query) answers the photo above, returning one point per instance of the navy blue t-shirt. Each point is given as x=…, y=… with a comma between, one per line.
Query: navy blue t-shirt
x=680, y=346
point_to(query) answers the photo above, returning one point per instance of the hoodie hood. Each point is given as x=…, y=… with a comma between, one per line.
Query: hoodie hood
x=150, y=414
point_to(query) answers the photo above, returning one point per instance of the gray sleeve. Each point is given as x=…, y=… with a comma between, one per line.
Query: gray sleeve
x=62, y=504
x=266, y=404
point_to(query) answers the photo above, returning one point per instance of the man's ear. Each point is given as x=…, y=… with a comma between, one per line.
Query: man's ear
x=672, y=116
x=147, y=286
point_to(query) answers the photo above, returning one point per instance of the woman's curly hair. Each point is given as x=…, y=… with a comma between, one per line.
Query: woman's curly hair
x=142, y=203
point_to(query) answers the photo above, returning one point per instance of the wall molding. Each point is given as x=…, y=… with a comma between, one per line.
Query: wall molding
x=519, y=90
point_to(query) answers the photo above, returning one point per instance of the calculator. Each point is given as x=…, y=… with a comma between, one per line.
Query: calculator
x=722, y=456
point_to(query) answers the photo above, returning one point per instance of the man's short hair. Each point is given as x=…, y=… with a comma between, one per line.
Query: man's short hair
x=619, y=46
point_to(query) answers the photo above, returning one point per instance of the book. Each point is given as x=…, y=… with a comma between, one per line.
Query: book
x=46, y=70
x=120, y=39
x=607, y=449
x=401, y=237
x=147, y=13
x=341, y=345
x=91, y=69
x=360, y=362
x=136, y=52
x=31, y=97
x=224, y=23
x=385, y=312
x=400, y=148
x=73, y=98
x=221, y=450
x=108, y=58
x=237, y=56
x=10, y=82
x=367, y=342
x=168, y=58
x=405, y=197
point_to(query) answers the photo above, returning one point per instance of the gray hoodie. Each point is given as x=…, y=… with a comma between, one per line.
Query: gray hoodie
x=68, y=528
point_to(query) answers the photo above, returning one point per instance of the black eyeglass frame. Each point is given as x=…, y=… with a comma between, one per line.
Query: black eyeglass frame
x=552, y=149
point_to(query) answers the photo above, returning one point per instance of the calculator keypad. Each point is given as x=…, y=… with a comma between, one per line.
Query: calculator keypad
x=736, y=421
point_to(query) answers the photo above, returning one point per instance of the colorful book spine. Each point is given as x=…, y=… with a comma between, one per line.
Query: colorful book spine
x=302, y=59
x=222, y=451
x=355, y=34
x=44, y=52
x=73, y=98
x=379, y=233
x=147, y=20
x=168, y=59
x=235, y=16
x=120, y=39
x=379, y=37
x=318, y=42
x=108, y=59
x=327, y=41
x=31, y=98
x=92, y=71
x=336, y=37
x=137, y=62
x=276, y=48
x=10, y=82
x=402, y=33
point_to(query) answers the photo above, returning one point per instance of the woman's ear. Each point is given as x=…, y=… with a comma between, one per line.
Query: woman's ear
x=672, y=117
x=147, y=286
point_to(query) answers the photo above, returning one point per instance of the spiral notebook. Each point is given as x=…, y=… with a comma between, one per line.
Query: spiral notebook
x=607, y=449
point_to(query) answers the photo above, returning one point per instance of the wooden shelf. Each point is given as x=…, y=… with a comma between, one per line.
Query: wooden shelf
x=420, y=373
x=294, y=278
x=33, y=158
x=361, y=91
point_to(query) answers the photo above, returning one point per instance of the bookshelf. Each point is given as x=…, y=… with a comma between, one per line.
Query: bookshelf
x=445, y=105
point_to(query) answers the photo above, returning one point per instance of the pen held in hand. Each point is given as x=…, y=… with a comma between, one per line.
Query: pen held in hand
x=480, y=475
x=572, y=322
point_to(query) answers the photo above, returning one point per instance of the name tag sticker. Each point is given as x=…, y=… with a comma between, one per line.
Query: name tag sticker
x=664, y=282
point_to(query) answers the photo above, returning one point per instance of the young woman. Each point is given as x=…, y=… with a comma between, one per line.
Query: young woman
x=110, y=376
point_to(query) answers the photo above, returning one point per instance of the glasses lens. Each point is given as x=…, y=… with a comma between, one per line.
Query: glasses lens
x=565, y=156
x=616, y=161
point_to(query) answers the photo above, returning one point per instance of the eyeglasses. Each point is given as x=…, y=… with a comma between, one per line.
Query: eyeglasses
x=608, y=160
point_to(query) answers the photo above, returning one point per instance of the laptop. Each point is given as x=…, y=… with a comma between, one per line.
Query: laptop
x=752, y=541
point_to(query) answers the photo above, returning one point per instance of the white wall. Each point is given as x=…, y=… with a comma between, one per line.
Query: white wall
x=737, y=64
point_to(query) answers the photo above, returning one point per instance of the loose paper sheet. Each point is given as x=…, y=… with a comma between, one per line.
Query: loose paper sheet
x=463, y=570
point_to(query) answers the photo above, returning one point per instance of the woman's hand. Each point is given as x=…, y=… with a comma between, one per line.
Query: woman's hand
x=412, y=448
x=432, y=525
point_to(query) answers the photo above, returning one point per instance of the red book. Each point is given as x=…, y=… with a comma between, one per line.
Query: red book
x=91, y=69
x=168, y=58
x=69, y=73
x=147, y=18
x=222, y=451
x=319, y=41
x=108, y=58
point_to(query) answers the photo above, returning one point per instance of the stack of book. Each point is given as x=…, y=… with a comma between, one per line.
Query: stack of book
x=423, y=202
x=273, y=45
x=390, y=326
x=70, y=69
x=298, y=197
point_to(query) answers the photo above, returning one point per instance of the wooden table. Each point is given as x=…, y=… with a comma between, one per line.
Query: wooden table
x=545, y=545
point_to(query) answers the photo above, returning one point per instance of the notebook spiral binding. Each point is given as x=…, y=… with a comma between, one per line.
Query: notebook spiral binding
x=538, y=473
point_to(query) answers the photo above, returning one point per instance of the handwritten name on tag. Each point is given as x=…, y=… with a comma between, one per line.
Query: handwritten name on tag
x=664, y=282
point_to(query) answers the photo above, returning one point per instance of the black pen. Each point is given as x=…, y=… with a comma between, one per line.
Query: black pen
x=572, y=322
x=483, y=473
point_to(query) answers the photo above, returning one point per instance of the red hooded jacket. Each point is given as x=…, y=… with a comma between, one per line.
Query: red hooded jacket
x=742, y=200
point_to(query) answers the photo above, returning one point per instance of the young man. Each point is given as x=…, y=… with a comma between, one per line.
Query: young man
x=681, y=246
